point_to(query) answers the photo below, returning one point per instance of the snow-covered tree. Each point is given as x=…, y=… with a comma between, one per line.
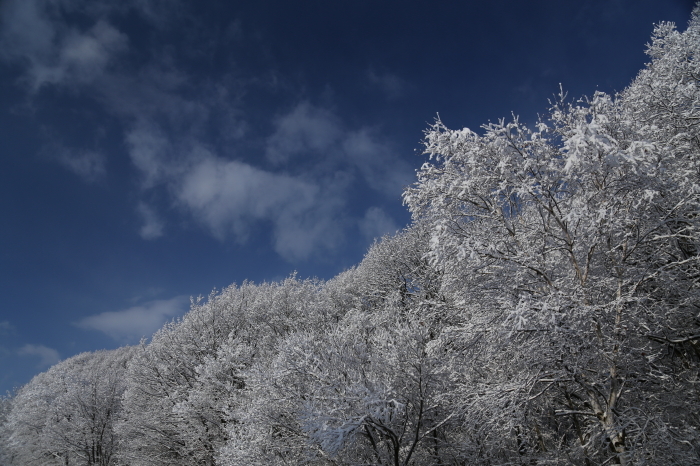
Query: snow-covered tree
x=67, y=414
x=376, y=390
x=186, y=385
x=543, y=308
x=157, y=427
x=397, y=265
x=372, y=387
x=573, y=248
x=5, y=454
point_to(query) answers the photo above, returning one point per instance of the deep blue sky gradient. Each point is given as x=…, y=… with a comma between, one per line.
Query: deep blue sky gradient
x=154, y=150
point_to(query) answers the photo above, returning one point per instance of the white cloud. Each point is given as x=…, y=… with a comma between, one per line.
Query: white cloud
x=231, y=196
x=54, y=53
x=223, y=193
x=318, y=230
x=376, y=223
x=129, y=325
x=305, y=129
x=27, y=31
x=6, y=327
x=391, y=85
x=88, y=165
x=85, y=55
x=152, y=227
x=149, y=150
x=47, y=356
x=381, y=168
x=159, y=12
x=37, y=33
x=316, y=133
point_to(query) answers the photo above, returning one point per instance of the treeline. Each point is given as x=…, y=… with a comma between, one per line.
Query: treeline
x=543, y=308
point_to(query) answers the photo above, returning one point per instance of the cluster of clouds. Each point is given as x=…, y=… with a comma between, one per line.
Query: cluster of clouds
x=53, y=52
x=308, y=163
x=302, y=197
x=6, y=327
x=136, y=322
x=125, y=326
x=314, y=161
x=46, y=356
x=296, y=184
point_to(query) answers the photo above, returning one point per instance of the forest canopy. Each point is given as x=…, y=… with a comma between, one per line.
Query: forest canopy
x=542, y=308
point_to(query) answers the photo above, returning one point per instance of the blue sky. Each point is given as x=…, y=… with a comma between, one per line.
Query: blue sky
x=153, y=150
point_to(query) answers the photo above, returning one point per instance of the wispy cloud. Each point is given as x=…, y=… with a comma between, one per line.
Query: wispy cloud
x=152, y=226
x=376, y=223
x=391, y=85
x=310, y=133
x=379, y=165
x=303, y=130
x=89, y=165
x=55, y=53
x=158, y=12
x=129, y=325
x=299, y=184
x=229, y=196
x=149, y=149
x=302, y=202
x=47, y=356
x=6, y=327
